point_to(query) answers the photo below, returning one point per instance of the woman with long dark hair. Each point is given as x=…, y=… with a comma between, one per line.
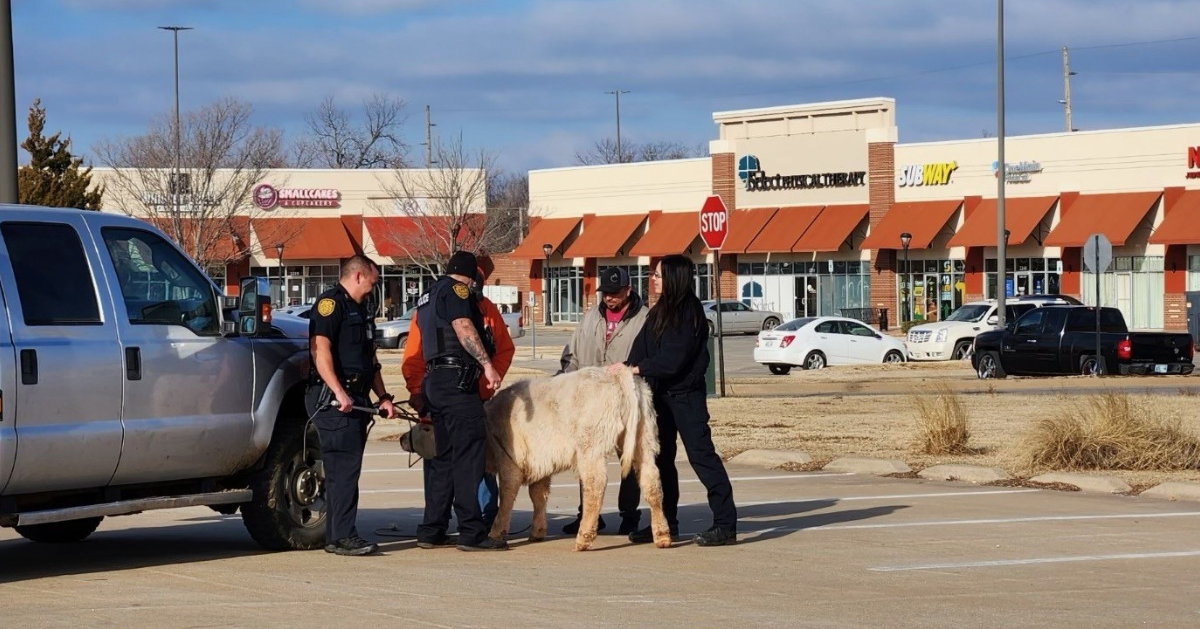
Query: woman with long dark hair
x=671, y=353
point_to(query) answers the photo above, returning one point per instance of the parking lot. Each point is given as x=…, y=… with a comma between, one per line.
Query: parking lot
x=816, y=549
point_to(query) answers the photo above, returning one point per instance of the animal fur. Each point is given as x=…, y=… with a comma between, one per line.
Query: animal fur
x=544, y=426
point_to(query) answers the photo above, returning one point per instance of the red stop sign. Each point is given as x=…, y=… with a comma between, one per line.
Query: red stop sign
x=714, y=222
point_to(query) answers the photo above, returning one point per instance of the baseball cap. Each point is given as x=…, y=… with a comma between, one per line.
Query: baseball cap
x=613, y=280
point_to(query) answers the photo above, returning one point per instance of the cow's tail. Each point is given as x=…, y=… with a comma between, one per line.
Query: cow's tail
x=639, y=422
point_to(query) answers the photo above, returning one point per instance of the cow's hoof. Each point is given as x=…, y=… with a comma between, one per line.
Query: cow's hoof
x=663, y=540
x=582, y=546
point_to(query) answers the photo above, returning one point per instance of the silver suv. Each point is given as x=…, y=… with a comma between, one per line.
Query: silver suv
x=129, y=383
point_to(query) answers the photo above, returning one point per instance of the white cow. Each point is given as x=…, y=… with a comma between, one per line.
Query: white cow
x=544, y=426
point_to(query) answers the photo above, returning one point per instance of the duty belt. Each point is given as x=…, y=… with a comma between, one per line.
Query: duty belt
x=448, y=362
x=357, y=384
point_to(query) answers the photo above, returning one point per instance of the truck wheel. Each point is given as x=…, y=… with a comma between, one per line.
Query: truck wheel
x=224, y=509
x=780, y=370
x=288, y=510
x=989, y=367
x=961, y=351
x=60, y=532
x=1088, y=366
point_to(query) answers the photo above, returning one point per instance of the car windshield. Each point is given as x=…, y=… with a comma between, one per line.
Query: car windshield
x=970, y=314
x=795, y=324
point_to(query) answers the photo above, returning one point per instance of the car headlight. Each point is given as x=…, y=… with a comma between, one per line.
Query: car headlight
x=391, y=332
x=941, y=336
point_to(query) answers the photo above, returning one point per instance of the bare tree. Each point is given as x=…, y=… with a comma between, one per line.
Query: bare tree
x=508, y=205
x=605, y=152
x=447, y=208
x=336, y=140
x=222, y=159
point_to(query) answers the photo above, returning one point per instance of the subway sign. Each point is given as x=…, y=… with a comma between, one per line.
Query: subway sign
x=935, y=174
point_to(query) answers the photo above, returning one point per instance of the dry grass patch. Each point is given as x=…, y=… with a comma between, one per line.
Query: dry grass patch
x=941, y=422
x=1113, y=431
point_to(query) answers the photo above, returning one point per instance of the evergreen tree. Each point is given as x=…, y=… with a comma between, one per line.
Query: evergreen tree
x=53, y=176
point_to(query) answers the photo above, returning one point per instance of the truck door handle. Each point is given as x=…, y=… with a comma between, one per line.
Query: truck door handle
x=29, y=367
x=133, y=363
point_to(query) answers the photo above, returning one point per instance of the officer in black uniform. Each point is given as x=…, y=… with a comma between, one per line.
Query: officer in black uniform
x=344, y=372
x=452, y=334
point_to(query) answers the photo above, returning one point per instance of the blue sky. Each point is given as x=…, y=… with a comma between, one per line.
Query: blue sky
x=526, y=79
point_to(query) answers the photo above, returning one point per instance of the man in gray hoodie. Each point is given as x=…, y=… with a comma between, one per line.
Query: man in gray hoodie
x=604, y=337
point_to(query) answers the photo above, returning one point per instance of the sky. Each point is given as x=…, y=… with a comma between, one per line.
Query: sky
x=527, y=79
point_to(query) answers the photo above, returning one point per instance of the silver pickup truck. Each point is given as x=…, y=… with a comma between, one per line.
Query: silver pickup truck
x=129, y=383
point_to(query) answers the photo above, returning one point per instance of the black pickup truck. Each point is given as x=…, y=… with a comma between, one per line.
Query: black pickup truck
x=1059, y=340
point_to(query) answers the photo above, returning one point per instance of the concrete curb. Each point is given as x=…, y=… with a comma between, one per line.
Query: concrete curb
x=1085, y=482
x=1174, y=490
x=970, y=473
x=860, y=465
x=771, y=458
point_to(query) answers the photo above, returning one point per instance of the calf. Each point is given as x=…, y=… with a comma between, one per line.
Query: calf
x=540, y=427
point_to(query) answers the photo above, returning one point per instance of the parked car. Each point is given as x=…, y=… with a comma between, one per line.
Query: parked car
x=814, y=342
x=737, y=317
x=88, y=346
x=1062, y=340
x=394, y=334
x=951, y=338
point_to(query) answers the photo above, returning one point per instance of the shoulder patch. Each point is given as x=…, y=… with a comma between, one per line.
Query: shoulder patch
x=326, y=306
x=462, y=291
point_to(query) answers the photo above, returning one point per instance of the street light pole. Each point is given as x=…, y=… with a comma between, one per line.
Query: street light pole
x=905, y=239
x=1001, y=169
x=546, y=249
x=282, y=277
x=175, y=184
x=617, y=93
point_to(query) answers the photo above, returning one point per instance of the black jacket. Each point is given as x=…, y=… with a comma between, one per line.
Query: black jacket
x=676, y=362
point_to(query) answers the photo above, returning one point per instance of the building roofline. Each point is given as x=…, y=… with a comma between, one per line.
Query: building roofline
x=625, y=165
x=876, y=102
x=1056, y=134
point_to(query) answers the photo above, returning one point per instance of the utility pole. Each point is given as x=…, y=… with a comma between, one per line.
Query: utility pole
x=8, y=109
x=428, y=140
x=617, y=93
x=1066, y=100
x=176, y=185
x=1001, y=172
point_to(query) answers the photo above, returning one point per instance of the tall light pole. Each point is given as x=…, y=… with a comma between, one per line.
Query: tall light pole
x=175, y=185
x=617, y=93
x=8, y=109
x=1001, y=168
x=905, y=239
x=282, y=277
x=1066, y=99
x=546, y=249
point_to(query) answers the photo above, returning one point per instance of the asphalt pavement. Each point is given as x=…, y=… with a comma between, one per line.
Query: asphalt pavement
x=815, y=550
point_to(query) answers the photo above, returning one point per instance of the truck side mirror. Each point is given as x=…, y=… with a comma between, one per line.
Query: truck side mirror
x=993, y=320
x=254, y=306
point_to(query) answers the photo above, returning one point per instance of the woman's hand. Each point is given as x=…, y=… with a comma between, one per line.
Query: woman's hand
x=615, y=368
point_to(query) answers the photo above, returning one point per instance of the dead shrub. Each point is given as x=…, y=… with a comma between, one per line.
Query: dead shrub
x=1112, y=431
x=941, y=422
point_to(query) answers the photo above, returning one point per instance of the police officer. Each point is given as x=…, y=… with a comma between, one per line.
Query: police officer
x=452, y=342
x=344, y=373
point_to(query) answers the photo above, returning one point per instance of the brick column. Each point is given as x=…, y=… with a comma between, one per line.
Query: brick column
x=881, y=185
x=724, y=185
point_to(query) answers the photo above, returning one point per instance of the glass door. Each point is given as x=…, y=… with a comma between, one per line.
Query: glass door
x=807, y=296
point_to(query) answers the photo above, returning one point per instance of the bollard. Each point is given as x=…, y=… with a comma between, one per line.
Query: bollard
x=710, y=377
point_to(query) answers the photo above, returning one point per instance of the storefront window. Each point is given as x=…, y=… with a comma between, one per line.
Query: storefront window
x=929, y=290
x=566, y=293
x=297, y=285
x=218, y=274
x=1132, y=284
x=1193, y=273
x=704, y=280
x=1025, y=276
x=806, y=289
x=639, y=276
x=399, y=287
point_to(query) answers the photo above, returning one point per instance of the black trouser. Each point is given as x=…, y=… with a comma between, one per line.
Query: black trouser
x=687, y=415
x=460, y=430
x=343, y=438
x=627, y=498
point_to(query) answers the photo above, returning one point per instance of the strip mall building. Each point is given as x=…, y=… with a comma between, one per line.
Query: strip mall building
x=820, y=194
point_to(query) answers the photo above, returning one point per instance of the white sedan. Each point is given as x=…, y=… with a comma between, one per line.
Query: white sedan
x=814, y=342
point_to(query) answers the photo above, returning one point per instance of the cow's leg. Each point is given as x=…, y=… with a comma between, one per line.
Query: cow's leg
x=651, y=485
x=539, y=493
x=594, y=477
x=510, y=483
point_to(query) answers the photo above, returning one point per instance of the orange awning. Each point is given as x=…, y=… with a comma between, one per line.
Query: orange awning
x=304, y=238
x=422, y=238
x=784, y=229
x=922, y=219
x=1114, y=215
x=1021, y=216
x=831, y=228
x=219, y=239
x=1182, y=224
x=552, y=231
x=670, y=232
x=604, y=236
x=744, y=227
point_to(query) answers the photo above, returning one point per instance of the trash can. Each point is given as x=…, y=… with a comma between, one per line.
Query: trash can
x=710, y=378
x=883, y=319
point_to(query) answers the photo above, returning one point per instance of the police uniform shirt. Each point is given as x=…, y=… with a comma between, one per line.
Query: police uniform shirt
x=449, y=301
x=347, y=325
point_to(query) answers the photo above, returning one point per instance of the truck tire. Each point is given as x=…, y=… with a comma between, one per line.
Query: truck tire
x=1088, y=366
x=288, y=510
x=988, y=366
x=60, y=532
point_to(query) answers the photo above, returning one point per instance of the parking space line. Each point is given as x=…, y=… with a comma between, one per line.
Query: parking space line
x=617, y=483
x=923, y=523
x=1036, y=561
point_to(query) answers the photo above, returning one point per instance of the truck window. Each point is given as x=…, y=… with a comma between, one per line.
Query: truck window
x=1031, y=323
x=1084, y=320
x=53, y=278
x=160, y=286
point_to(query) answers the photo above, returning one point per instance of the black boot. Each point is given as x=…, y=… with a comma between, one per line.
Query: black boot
x=716, y=536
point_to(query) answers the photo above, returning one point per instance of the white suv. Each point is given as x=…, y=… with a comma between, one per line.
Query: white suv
x=951, y=339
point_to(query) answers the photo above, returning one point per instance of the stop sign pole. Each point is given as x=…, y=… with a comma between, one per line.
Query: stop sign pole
x=714, y=227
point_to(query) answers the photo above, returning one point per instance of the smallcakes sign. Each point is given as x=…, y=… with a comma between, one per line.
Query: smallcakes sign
x=268, y=197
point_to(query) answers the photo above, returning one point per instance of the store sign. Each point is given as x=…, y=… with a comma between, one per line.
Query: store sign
x=1020, y=172
x=187, y=202
x=267, y=196
x=936, y=174
x=752, y=175
x=1193, y=162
